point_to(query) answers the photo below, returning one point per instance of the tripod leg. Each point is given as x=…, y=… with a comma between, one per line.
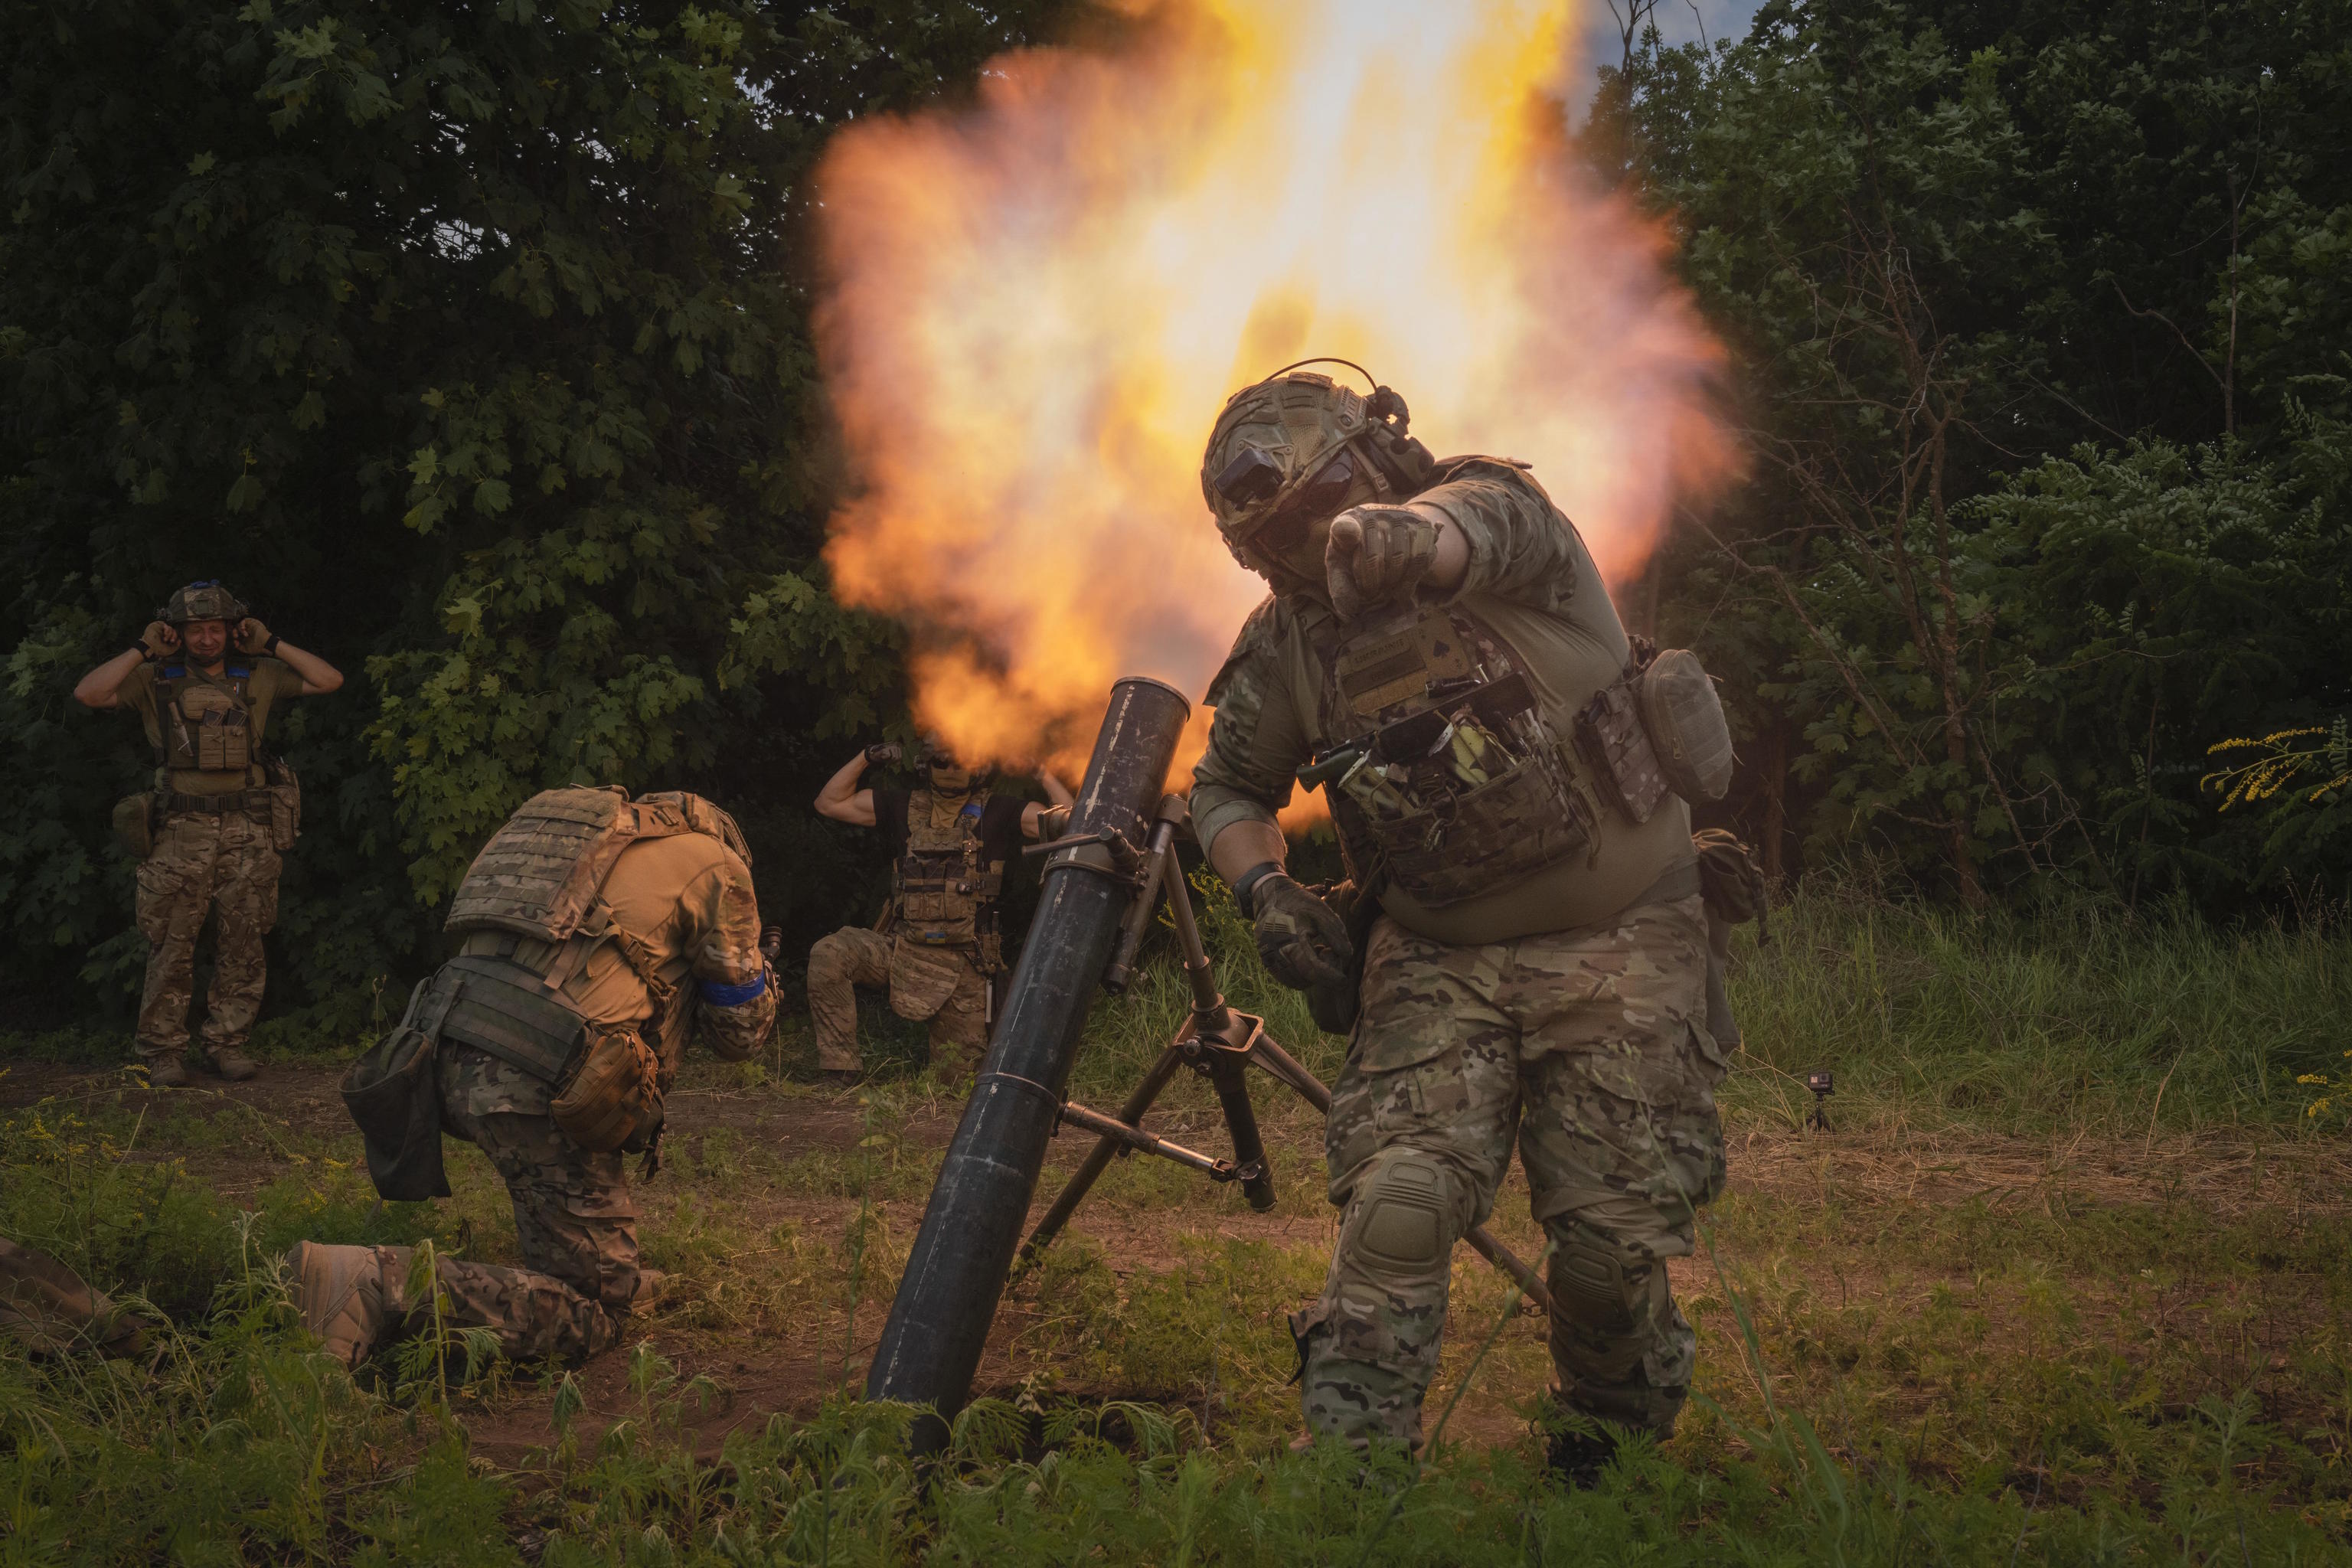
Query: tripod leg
x=1075, y=1190
x=1268, y=1054
x=1241, y=1119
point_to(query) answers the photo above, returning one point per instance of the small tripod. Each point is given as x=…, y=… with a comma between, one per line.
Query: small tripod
x=1216, y=1041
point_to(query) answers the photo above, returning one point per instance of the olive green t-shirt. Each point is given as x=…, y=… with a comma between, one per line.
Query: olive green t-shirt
x=265, y=681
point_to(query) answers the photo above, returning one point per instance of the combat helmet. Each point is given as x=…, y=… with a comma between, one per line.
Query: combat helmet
x=1293, y=443
x=206, y=601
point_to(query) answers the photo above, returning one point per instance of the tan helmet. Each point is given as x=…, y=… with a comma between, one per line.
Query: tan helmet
x=207, y=601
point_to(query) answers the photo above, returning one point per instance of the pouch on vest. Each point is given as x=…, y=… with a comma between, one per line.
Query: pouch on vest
x=1616, y=746
x=613, y=1098
x=1458, y=788
x=285, y=804
x=1682, y=716
x=394, y=1094
x=134, y=823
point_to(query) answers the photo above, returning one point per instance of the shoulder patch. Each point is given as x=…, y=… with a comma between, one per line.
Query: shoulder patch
x=1260, y=631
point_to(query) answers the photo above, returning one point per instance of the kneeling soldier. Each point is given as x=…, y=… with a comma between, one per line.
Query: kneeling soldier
x=222, y=811
x=599, y=933
x=937, y=946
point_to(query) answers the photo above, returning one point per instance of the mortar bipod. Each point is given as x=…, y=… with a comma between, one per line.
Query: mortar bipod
x=1217, y=1041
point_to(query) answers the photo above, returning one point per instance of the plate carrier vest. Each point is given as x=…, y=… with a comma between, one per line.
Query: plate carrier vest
x=531, y=912
x=942, y=894
x=222, y=740
x=1461, y=787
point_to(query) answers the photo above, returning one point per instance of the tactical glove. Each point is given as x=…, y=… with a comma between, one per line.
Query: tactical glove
x=252, y=637
x=1303, y=941
x=159, y=639
x=1377, y=555
x=882, y=751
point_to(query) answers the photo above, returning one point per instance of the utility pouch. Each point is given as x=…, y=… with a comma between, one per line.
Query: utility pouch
x=285, y=804
x=1615, y=745
x=134, y=823
x=1684, y=718
x=224, y=740
x=394, y=1096
x=613, y=1098
x=1442, y=848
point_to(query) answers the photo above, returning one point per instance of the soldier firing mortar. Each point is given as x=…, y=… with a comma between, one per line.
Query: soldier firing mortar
x=1522, y=950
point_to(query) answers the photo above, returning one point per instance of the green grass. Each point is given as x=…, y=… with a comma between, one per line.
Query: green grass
x=2072, y=1282
x=2086, y=1018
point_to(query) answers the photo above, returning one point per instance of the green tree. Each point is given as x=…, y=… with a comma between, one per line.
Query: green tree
x=2039, y=314
x=469, y=343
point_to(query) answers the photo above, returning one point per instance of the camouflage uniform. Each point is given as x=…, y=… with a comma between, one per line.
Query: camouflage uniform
x=1560, y=1000
x=1589, y=1047
x=575, y=1221
x=690, y=898
x=204, y=863
x=938, y=945
x=213, y=852
x=942, y=985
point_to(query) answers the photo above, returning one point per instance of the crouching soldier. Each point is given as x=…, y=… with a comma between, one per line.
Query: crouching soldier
x=598, y=933
x=204, y=679
x=938, y=945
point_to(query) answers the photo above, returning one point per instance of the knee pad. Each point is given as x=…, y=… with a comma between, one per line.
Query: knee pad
x=1598, y=1283
x=1404, y=1226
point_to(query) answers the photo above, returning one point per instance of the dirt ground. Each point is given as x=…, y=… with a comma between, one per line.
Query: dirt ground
x=1810, y=1211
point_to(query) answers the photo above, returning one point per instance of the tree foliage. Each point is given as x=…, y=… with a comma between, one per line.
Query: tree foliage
x=469, y=343
x=2041, y=312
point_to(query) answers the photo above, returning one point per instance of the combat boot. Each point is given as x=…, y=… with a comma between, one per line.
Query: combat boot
x=164, y=1070
x=349, y=1296
x=1577, y=1447
x=225, y=1061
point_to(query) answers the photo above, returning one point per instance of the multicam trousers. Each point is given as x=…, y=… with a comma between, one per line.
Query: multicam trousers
x=944, y=984
x=574, y=1218
x=204, y=865
x=1591, y=1047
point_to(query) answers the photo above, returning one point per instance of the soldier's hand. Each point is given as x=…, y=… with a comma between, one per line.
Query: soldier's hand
x=1376, y=554
x=882, y=751
x=1302, y=939
x=252, y=637
x=159, y=638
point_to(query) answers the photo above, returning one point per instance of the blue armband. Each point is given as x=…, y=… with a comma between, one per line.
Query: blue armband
x=720, y=996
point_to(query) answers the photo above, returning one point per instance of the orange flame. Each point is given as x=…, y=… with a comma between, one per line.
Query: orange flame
x=1038, y=303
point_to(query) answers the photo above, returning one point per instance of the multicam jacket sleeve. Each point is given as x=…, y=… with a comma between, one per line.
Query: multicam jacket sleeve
x=1522, y=548
x=734, y=999
x=1257, y=740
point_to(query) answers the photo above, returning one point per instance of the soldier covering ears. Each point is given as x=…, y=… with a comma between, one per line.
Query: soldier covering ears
x=204, y=679
x=937, y=946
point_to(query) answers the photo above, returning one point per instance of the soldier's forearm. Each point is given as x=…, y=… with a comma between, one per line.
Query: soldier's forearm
x=1246, y=844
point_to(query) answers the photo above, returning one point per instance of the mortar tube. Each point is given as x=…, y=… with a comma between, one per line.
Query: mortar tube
x=946, y=1297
